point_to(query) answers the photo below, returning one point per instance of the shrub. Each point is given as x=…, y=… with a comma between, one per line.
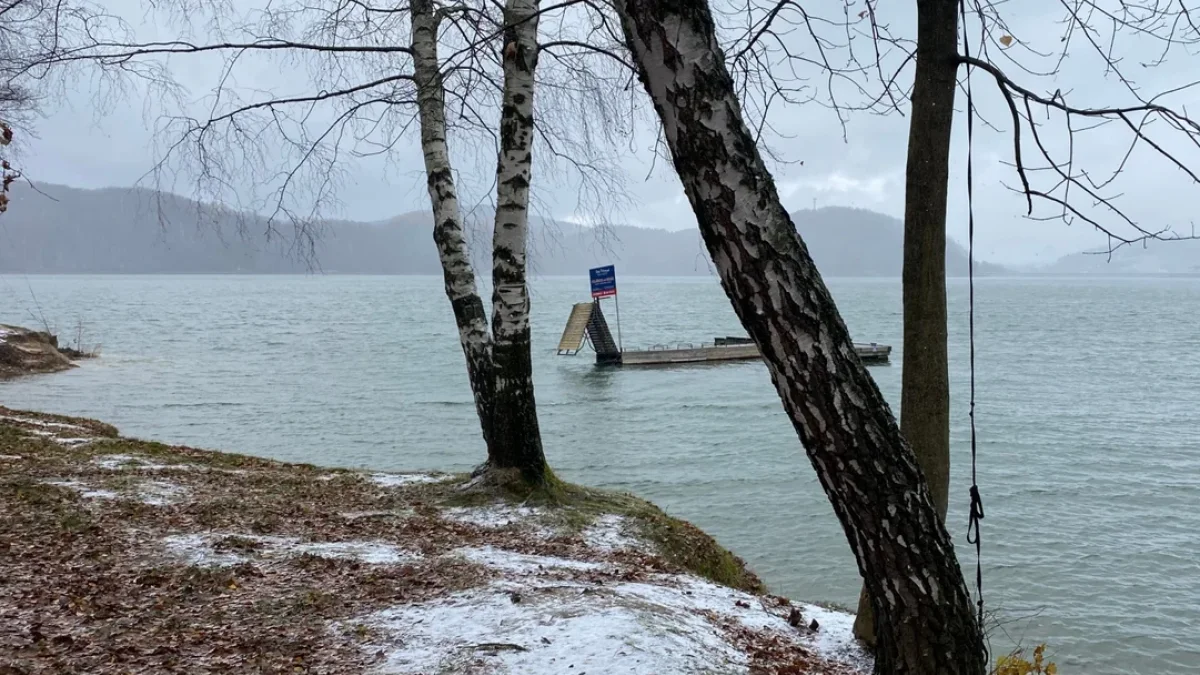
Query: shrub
x=1016, y=663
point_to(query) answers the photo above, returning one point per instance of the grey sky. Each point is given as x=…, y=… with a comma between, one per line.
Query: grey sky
x=82, y=146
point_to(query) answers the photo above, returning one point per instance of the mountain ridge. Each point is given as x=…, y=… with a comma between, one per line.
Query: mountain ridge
x=1153, y=258
x=59, y=229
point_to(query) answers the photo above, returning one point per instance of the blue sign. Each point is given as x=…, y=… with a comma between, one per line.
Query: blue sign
x=604, y=281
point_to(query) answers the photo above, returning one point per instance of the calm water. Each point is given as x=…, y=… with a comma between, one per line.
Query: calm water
x=1088, y=421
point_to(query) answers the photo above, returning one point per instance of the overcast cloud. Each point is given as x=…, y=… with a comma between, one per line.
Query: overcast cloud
x=82, y=146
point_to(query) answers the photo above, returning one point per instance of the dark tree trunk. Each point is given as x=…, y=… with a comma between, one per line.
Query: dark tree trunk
x=925, y=383
x=517, y=442
x=927, y=626
x=457, y=272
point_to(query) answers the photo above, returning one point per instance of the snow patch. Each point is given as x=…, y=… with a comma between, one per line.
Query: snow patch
x=521, y=563
x=833, y=639
x=84, y=490
x=53, y=431
x=664, y=625
x=373, y=553
x=376, y=513
x=835, y=636
x=197, y=549
x=11, y=458
x=61, y=440
x=118, y=462
x=160, y=492
x=42, y=423
x=203, y=549
x=39, y=432
x=610, y=533
x=153, y=492
x=550, y=632
x=494, y=516
x=403, y=479
x=135, y=463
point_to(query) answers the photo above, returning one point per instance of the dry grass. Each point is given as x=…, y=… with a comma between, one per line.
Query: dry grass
x=88, y=584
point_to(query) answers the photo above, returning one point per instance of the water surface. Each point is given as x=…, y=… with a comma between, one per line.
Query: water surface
x=1088, y=418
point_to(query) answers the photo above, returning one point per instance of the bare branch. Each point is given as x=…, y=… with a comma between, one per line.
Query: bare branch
x=272, y=149
x=1021, y=100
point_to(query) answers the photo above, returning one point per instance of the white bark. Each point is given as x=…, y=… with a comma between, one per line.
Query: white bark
x=516, y=433
x=510, y=301
x=458, y=274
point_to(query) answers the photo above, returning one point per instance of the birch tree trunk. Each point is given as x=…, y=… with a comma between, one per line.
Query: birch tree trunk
x=457, y=271
x=925, y=618
x=517, y=442
x=925, y=382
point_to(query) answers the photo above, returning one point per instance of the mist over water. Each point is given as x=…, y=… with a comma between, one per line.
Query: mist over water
x=1088, y=411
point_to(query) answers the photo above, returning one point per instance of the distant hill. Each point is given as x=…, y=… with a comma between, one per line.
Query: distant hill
x=118, y=230
x=862, y=243
x=1157, y=257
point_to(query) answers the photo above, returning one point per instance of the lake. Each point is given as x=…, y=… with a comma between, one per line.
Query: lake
x=1088, y=419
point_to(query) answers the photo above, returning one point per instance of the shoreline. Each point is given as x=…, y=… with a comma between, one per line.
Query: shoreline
x=29, y=352
x=129, y=554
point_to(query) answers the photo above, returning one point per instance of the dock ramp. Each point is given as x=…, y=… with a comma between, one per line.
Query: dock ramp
x=573, y=334
x=587, y=321
x=606, y=347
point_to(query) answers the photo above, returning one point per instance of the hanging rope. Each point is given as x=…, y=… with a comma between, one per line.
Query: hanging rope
x=976, y=512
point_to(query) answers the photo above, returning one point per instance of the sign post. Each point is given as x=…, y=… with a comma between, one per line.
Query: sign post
x=604, y=285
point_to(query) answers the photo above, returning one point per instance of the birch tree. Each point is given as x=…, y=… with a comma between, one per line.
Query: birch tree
x=374, y=71
x=499, y=362
x=924, y=613
x=457, y=271
x=515, y=426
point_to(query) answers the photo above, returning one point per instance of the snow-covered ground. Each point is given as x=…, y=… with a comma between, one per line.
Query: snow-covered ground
x=405, y=479
x=69, y=435
x=421, y=587
x=152, y=492
x=532, y=622
x=224, y=549
x=539, y=614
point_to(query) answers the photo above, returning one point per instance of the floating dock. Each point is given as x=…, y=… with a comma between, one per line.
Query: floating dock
x=587, y=324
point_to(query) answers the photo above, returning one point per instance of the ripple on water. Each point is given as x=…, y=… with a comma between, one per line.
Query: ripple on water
x=1089, y=460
